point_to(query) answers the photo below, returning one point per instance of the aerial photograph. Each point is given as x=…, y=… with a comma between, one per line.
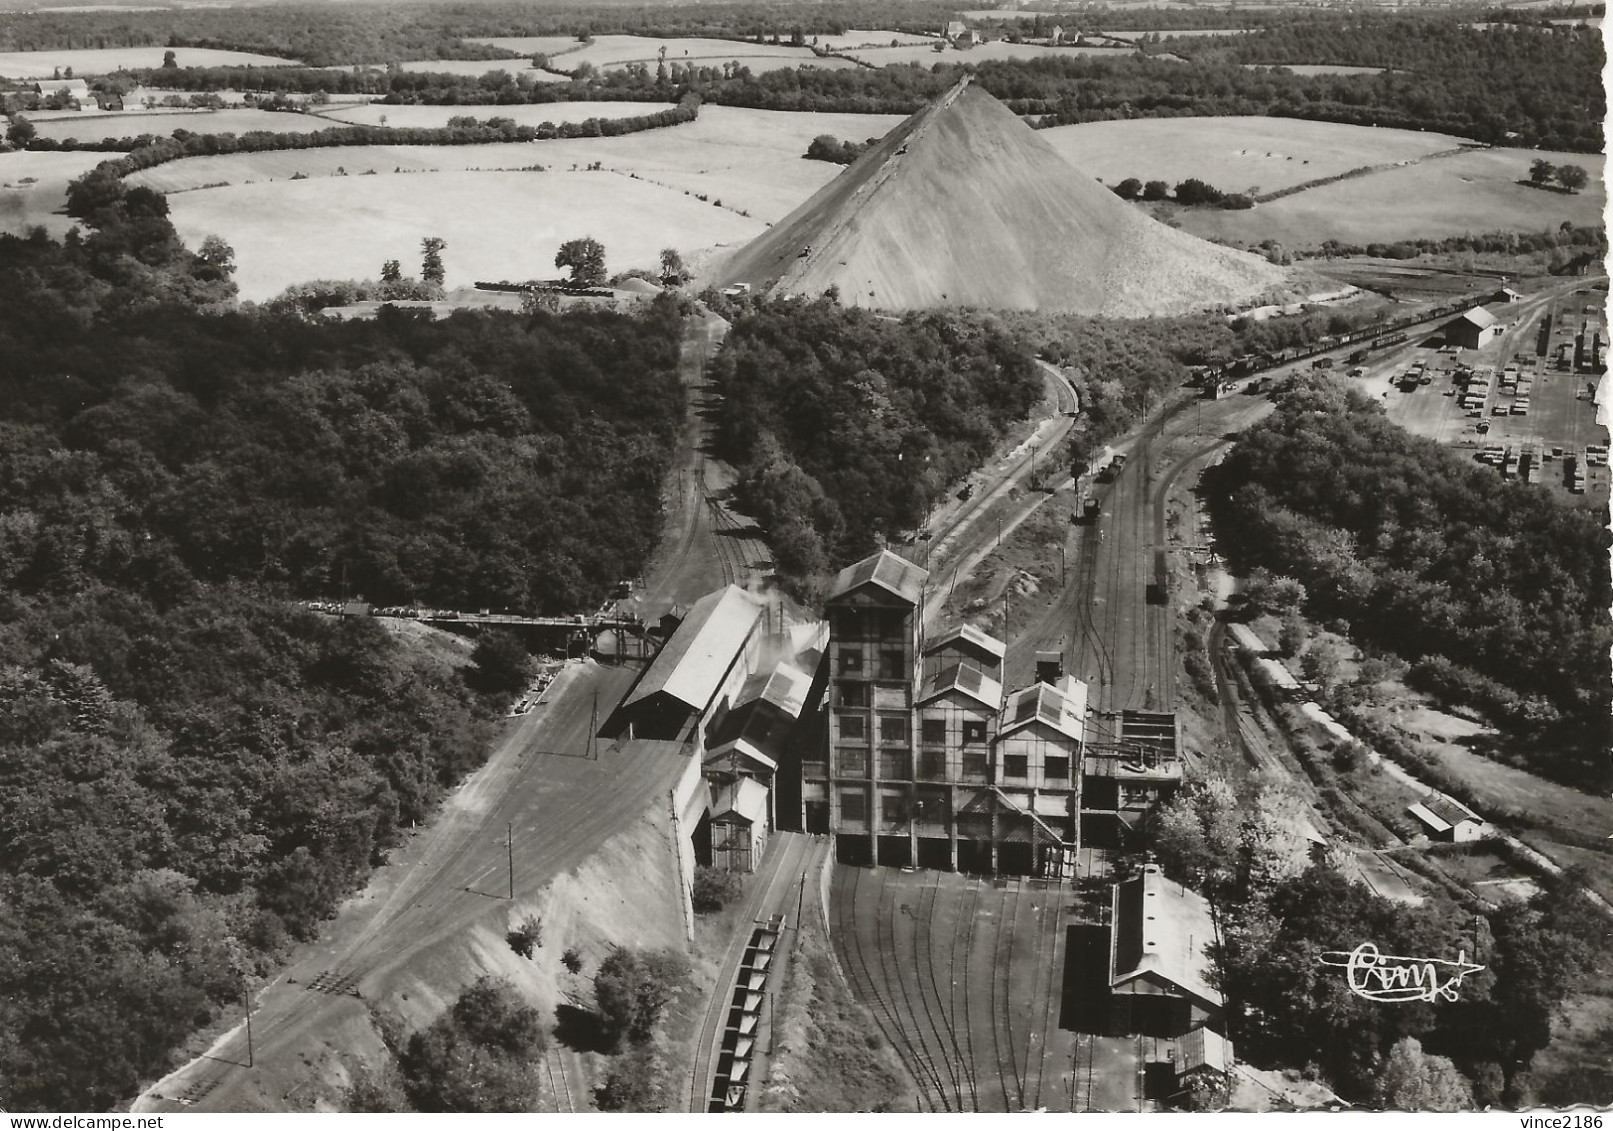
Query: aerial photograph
x=804, y=556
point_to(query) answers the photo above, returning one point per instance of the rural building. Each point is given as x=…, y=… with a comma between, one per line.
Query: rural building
x=1448, y=819
x=1202, y=1055
x=1159, y=961
x=69, y=93
x=1506, y=295
x=1473, y=330
x=702, y=664
x=739, y=825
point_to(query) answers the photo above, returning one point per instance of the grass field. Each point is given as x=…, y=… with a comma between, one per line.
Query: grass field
x=1240, y=154
x=558, y=113
x=611, y=51
x=235, y=120
x=748, y=159
x=105, y=60
x=498, y=225
x=1318, y=68
x=868, y=37
x=34, y=185
x=924, y=55
x=1476, y=191
x=532, y=44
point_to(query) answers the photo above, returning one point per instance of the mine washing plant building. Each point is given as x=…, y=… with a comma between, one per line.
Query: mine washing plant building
x=910, y=751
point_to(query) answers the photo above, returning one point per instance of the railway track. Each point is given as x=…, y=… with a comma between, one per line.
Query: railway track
x=864, y=986
x=923, y=971
x=966, y=1052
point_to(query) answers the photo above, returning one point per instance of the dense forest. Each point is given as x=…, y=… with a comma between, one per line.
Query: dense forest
x=847, y=426
x=1239, y=846
x=1497, y=592
x=195, y=767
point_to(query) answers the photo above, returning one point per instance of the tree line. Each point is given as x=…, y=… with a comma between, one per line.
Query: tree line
x=196, y=768
x=1493, y=590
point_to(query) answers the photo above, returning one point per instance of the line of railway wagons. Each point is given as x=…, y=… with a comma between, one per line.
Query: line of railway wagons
x=1371, y=339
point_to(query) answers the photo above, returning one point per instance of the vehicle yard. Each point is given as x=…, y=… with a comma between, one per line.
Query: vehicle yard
x=1512, y=398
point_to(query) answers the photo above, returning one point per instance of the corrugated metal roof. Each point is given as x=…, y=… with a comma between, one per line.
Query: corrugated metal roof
x=691, y=665
x=785, y=687
x=745, y=798
x=896, y=575
x=1063, y=708
x=967, y=679
x=1202, y=1048
x=969, y=633
x=1442, y=813
x=1163, y=929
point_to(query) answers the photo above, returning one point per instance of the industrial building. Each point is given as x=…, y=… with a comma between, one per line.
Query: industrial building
x=1160, y=962
x=928, y=761
x=1473, y=330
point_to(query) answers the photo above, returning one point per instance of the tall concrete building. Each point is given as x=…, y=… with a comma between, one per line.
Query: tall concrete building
x=925, y=761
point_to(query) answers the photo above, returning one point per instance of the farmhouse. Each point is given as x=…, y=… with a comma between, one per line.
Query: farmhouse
x=1448, y=819
x=1159, y=962
x=1473, y=330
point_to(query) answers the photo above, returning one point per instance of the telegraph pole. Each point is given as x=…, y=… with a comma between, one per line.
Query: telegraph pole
x=246, y=1000
x=509, y=843
x=593, y=728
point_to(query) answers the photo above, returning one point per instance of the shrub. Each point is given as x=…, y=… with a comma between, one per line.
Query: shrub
x=526, y=937
x=714, y=889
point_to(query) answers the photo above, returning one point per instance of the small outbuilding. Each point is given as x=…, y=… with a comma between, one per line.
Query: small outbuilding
x=1506, y=295
x=1448, y=819
x=1202, y=1054
x=739, y=825
x=1473, y=330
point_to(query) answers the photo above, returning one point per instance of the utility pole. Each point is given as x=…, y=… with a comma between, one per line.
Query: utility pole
x=246, y=1000
x=509, y=842
x=593, y=728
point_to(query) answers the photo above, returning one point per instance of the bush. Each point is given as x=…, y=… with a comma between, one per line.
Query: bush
x=714, y=889
x=502, y=664
x=632, y=989
x=572, y=960
x=527, y=937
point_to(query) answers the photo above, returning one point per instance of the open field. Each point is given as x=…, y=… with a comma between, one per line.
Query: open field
x=1474, y=191
x=868, y=37
x=1318, y=68
x=499, y=225
x=965, y=980
x=749, y=159
x=535, y=114
x=231, y=121
x=105, y=60
x=925, y=55
x=1240, y=154
x=531, y=44
x=34, y=185
x=610, y=51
